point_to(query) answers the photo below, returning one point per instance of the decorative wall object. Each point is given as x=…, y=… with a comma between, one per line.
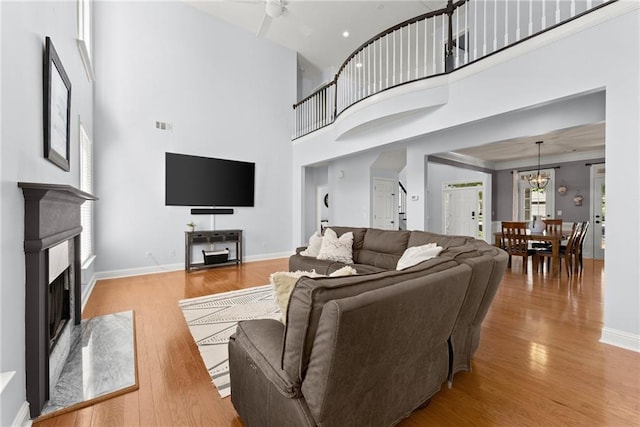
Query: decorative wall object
x=57, y=109
x=562, y=190
x=577, y=200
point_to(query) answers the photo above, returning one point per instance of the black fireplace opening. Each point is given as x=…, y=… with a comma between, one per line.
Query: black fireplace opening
x=59, y=307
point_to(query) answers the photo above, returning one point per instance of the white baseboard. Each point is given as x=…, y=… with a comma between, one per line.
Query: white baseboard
x=113, y=274
x=620, y=339
x=88, y=290
x=265, y=257
x=22, y=417
x=139, y=271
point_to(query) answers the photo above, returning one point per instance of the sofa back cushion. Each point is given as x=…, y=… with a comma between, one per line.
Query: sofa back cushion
x=310, y=295
x=383, y=248
x=458, y=247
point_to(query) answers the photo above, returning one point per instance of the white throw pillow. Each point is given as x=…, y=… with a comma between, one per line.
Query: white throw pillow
x=283, y=283
x=417, y=254
x=335, y=249
x=315, y=241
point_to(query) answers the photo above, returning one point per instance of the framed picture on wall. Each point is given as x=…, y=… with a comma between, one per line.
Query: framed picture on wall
x=57, y=109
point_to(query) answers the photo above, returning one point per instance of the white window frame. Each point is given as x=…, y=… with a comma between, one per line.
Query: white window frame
x=86, y=209
x=85, y=28
x=549, y=193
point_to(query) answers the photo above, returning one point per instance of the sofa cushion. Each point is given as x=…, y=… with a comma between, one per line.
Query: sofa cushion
x=309, y=296
x=337, y=249
x=315, y=242
x=383, y=248
x=419, y=238
x=417, y=254
x=358, y=237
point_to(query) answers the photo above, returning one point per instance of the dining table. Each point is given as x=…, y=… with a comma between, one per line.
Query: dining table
x=554, y=238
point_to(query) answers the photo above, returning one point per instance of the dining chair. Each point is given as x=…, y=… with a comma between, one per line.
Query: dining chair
x=579, y=245
x=551, y=225
x=544, y=255
x=514, y=241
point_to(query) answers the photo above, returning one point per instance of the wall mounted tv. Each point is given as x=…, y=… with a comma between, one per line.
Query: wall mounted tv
x=206, y=181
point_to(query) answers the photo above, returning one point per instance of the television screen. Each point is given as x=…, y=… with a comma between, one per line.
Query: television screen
x=205, y=181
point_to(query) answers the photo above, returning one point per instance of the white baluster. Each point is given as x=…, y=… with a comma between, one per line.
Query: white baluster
x=517, y=20
x=433, y=50
x=408, y=52
x=475, y=30
x=466, y=33
x=530, y=17
x=387, y=37
x=506, y=23
x=394, y=60
x=573, y=8
x=444, y=24
x=557, y=11
x=588, y=4
x=495, y=25
x=543, y=21
x=484, y=26
x=401, y=58
x=426, y=21
x=369, y=67
x=417, y=47
x=456, y=34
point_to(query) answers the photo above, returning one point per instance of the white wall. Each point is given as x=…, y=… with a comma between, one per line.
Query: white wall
x=581, y=58
x=227, y=93
x=24, y=26
x=350, y=192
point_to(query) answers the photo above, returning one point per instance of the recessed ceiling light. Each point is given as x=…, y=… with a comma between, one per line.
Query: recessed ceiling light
x=359, y=64
x=345, y=34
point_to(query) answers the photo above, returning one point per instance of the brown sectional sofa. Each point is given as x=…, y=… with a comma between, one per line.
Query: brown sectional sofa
x=366, y=349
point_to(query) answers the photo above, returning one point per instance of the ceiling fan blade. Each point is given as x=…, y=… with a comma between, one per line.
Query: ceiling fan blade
x=264, y=26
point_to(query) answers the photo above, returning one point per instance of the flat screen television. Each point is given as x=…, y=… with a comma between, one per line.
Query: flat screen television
x=206, y=181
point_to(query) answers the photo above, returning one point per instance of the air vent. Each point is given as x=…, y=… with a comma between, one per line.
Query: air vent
x=164, y=125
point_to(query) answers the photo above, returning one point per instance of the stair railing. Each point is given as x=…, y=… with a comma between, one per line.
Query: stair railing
x=433, y=44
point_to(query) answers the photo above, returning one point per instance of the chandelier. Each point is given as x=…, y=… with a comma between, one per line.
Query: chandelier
x=539, y=180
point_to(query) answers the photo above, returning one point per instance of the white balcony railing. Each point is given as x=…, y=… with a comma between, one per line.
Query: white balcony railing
x=432, y=44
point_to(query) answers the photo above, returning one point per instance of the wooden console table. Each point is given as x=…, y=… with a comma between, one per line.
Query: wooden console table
x=211, y=237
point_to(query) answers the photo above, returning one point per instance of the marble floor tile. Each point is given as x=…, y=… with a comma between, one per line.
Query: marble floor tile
x=101, y=361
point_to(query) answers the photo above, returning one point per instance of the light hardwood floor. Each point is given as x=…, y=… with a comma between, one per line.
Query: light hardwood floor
x=539, y=361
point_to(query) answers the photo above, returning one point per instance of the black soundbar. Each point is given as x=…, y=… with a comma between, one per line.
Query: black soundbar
x=214, y=211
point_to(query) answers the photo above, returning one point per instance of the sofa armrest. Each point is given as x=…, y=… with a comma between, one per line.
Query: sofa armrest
x=300, y=249
x=262, y=339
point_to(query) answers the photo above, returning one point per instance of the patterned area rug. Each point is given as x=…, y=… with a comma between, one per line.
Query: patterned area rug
x=212, y=319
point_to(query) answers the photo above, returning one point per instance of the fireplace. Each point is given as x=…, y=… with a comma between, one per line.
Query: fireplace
x=52, y=266
x=59, y=312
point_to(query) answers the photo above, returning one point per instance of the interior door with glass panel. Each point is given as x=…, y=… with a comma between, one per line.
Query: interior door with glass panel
x=533, y=201
x=598, y=210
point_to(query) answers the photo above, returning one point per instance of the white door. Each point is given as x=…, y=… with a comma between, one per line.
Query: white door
x=385, y=208
x=596, y=232
x=462, y=211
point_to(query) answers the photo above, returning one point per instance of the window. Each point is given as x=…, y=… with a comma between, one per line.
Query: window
x=84, y=36
x=86, y=184
x=534, y=202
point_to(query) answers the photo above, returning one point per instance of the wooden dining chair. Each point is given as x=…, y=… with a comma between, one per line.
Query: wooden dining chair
x=579, y=245
x=551, y=225
x=514, y=241
x=543, y=255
